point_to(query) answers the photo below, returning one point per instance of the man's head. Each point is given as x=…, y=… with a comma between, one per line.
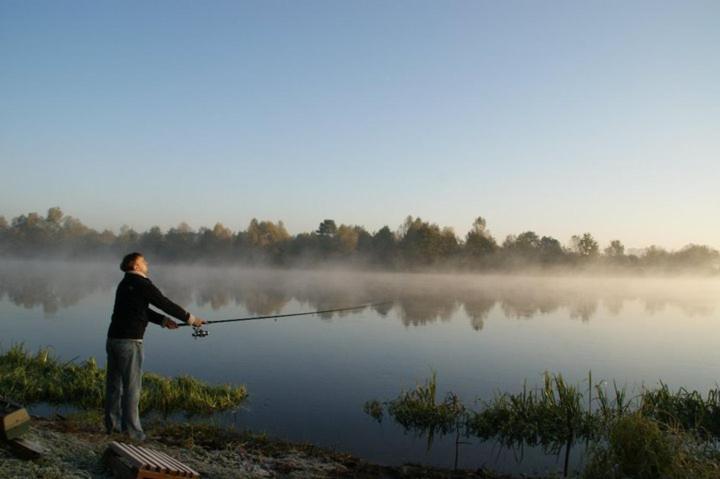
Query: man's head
x=134, y=262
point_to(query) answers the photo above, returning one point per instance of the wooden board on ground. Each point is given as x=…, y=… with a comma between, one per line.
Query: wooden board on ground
x=134, y=462
x=14, y=420
x=25, y=449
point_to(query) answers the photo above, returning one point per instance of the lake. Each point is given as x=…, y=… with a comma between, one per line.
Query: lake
x=309, y=376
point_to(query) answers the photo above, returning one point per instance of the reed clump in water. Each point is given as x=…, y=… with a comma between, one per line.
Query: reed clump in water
x=688, y=410
x=642, y=448
x=549, y=416
x=419, y=409
x=32, y=378
x=558, y=414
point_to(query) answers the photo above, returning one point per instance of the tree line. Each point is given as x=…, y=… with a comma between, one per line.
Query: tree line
x=416, y=244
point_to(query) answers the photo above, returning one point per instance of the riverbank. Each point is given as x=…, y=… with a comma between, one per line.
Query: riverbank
x=74, y=448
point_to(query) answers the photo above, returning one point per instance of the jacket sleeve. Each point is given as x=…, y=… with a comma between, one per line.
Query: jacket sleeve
x=157, y=299
x=155, y=317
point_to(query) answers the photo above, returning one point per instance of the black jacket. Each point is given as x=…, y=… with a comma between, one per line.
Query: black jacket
x=131, y=312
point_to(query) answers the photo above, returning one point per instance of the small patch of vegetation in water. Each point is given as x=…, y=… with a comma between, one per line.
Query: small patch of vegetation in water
x=642, y=448
x=33, y=378
x=679, y=427
x=419, y=409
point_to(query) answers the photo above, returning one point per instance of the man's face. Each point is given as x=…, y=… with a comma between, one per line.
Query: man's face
x=141, y=265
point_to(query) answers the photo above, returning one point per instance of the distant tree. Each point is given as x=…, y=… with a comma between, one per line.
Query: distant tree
x=73, y=230
x=29, y=234
x=327, y=228
x=551, y=251
x=364, y=242
x=347, y=239
x=615, y=250
x=4, y=240
x=76, y=238
x=695, y=256
x=655, y=257
x=479, y=226
x=152, y=242
x=107, y=238
x=217, y=243
x=585, y=246
x=268, y=238
x=54, y=215
x=527, y=242
x=524, y=247
x=127, y=240
x=422, y=243
x=180, y=243
x=478, y=242
x=384, y=246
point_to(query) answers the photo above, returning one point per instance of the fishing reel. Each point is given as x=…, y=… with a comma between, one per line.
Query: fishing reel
x=199, y=332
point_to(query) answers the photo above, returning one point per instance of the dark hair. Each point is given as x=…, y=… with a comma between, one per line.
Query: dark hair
x=128, y=261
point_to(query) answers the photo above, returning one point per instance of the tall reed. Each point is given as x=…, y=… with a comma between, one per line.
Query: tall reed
x=556, y=415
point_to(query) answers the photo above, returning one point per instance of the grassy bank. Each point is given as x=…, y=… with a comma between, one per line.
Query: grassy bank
x=75, y=446
x=34, y=378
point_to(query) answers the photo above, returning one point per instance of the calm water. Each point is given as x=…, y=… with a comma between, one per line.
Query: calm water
x=308, y=377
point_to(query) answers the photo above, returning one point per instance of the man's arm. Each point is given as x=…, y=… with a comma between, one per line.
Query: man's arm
x=157, y=299
x=155, y=317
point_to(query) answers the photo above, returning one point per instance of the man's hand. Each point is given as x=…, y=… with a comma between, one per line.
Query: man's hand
x=195, y=321
x=169, y=323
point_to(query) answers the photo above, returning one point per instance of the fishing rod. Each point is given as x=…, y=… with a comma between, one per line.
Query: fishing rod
x=199, y=332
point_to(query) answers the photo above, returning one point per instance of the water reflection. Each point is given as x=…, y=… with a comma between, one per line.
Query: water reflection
x=418, y=299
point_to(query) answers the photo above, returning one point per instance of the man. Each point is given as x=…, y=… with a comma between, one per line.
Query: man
x=131, y=314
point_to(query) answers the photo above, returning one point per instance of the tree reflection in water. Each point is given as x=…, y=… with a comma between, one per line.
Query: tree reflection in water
x=415, y=299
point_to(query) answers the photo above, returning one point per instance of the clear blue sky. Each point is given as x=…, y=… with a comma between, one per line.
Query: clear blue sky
x=553, y=116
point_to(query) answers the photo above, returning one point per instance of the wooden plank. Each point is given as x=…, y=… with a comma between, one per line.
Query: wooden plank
x=120, y=467
x=152, y=463
x=120, y=450
x=188, y=471
x=14, y=423
x=140, y=453
x=152, y=475
x=150, y=453
x=15, y=418
x=168, y=465
x=156, y=460
x=25, y=449
x=185, y=470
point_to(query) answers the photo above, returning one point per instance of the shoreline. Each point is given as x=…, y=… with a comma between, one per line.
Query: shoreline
x=74, y=448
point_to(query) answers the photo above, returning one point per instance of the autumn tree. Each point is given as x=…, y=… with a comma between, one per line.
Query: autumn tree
x=423, y=243
x=267, y=239
x=478, y=241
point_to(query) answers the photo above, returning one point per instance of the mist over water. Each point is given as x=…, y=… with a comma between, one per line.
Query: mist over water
x=308, y=377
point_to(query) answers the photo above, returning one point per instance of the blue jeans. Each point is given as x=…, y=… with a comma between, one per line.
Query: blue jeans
x=123, y=386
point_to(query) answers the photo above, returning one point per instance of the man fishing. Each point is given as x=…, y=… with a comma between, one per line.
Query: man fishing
x=131, y=313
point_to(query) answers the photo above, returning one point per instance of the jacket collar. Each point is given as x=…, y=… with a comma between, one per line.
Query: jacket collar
x=137, y=273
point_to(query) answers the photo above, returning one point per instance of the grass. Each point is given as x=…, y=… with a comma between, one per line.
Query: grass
x=686, y=409
x=33, y=378
x=420, y=411
x=653, y=426
x=642, y=448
